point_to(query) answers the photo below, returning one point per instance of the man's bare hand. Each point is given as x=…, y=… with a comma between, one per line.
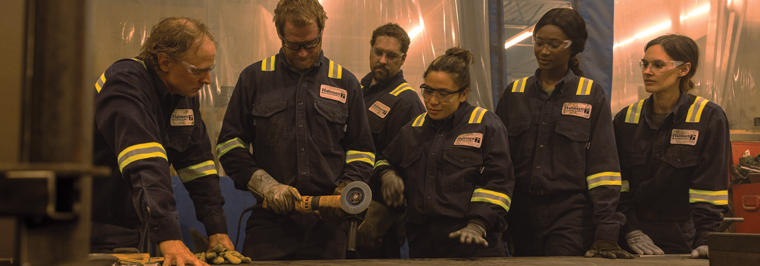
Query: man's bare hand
x=176, y=253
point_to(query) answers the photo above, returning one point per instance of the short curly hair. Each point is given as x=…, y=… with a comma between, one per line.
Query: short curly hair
x=300, y=13
x=392, y=30
x=174, y=36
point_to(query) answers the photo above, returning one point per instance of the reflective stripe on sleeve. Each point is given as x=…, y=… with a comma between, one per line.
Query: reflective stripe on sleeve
x=603, y=179
x=381, y=163
x=493, y=197
x=634, y=112
x=625, y=186
x=719, y=197
x=190, y=173
x=695, y=111
x=139, y=152
x=223, y=148
x=403, y=87
x=360, y=156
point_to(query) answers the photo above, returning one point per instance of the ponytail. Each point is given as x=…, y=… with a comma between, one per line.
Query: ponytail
x=575, y=66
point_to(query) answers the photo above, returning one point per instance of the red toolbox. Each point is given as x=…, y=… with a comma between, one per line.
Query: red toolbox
x=747, y=205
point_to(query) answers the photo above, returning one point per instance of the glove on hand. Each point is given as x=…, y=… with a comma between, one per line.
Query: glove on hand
x=473, y=233
x=700, y=252
x=377, y=221
x=277, y=197
x=642, y=244
x=393, y=189
x=607, y=249
x=331, y=214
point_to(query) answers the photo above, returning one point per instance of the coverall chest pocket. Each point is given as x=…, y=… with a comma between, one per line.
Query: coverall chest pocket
x=271, y=122
x=462, y=165
x=520, y=144
x=570, y=145
x=330, y=125
x=681, y=158
x=179, y=138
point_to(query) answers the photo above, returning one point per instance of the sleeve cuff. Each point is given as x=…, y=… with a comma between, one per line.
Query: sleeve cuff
x=216, y=225
x=607, y=232
x=163, y=229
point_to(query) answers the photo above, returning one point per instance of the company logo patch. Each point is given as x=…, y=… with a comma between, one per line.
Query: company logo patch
x=684, y=136
x=379, y=109
x=577, y=109
x=469, y=139
x=333, y=93
x=183, y=117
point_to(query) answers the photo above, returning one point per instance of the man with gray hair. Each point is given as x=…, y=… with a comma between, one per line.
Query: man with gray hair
x=147, y=118
x=303, y=115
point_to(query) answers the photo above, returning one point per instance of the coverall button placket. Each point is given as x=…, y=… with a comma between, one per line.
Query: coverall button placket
x=302, y=134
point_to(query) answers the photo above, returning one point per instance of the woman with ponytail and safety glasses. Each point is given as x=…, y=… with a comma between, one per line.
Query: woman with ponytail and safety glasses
x=452, y=166
x=567, y=177
x=674, y=152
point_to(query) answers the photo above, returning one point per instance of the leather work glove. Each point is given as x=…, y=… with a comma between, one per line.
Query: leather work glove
x=333, y=214
x=393, y=189
x=473, y=233
x=607, y=249
x=372, y=230
x=700, y=252
x=277, y=197
x=642, y=244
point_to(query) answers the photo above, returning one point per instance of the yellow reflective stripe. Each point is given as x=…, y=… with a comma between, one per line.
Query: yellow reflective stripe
x=519, y=83
x=719, y=197
x=477, y=115
x=193, y=172
x=141, y=62
x=625, y=186
x=695, y=111
x=403, y=87
x=490, y=196
x=584, y=90
x=101, y=81
x=420, y=120
x=381, y=163
x=335, y=71
x=634, y=112
x=223, y=148
x=139, y=152
x=268, y=64
x=360, y=156
x=603, y=179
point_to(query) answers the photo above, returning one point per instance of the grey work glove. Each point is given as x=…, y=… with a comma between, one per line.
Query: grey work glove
x=333, y=214
x=642, y=244
x=372, y=230
x=393, y=189
x=607, y=249
x=277, y=197
x=700, y=252
x=473, y=233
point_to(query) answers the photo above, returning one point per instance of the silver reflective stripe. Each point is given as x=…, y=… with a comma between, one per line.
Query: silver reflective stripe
x=190, y=173
x=604, y=179
x=367, y=157
x=719, y=197
x=139, y=152
x=493, y=197
x=225, y=147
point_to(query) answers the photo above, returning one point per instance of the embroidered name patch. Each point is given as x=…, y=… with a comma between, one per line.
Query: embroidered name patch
x=577, y=109
x=684, y=136
x=332, y=93
x=469, y=139
x=379, y=109
x=183, y=117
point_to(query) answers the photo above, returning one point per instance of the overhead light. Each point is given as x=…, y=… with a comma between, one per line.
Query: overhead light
x=519, y=37
x=663, y=25
x=417, y=30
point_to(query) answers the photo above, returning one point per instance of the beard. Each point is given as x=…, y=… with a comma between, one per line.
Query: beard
x=381, y=73
x=300, y=63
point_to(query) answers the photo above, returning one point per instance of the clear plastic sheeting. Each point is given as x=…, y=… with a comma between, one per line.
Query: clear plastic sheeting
x=246, y=34
x=726, y=32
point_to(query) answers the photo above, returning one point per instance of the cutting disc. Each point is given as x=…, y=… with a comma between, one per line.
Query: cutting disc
x=356, y=197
